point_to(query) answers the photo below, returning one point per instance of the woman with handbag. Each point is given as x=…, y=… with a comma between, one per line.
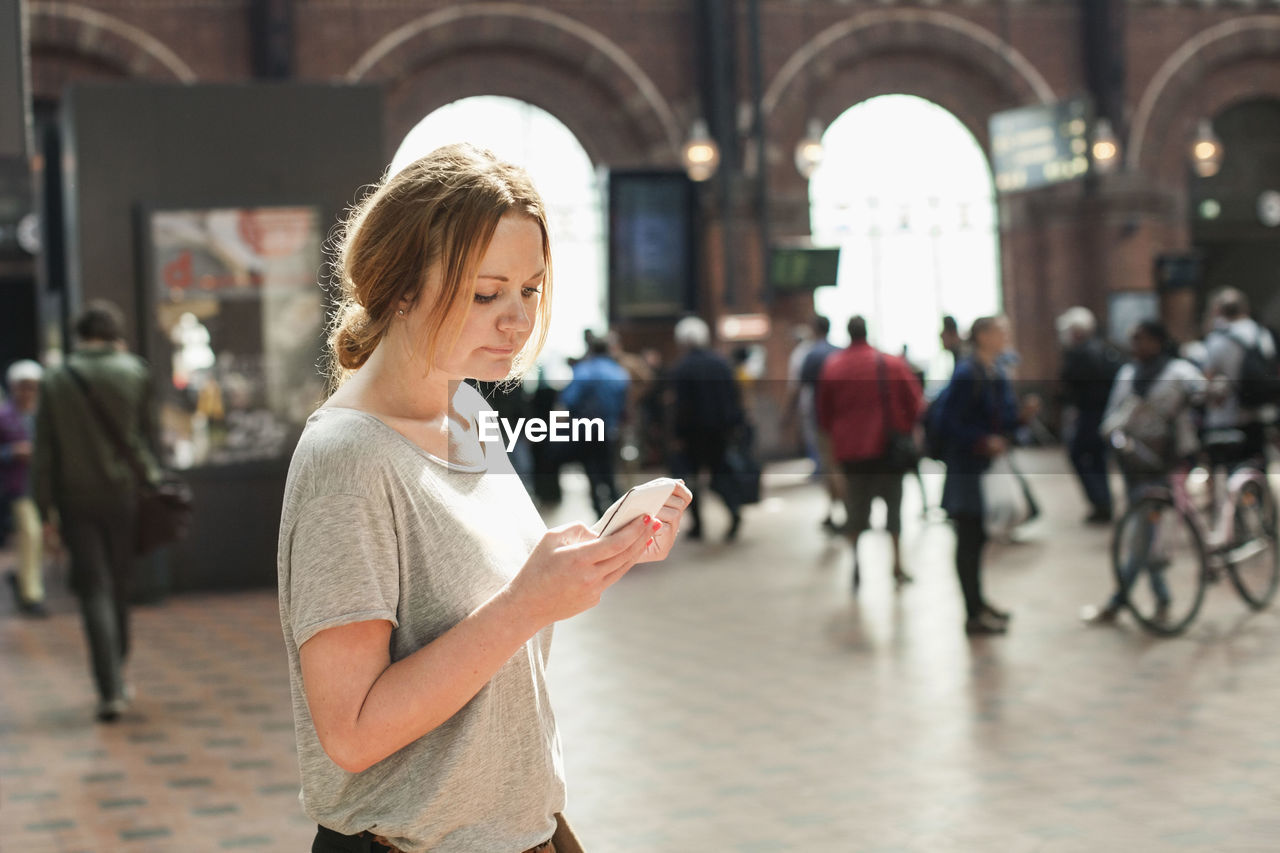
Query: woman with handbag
x=977, y=415
x=92, y=459
x=418, y=585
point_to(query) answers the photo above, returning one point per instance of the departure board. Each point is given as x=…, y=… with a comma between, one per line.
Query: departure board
x=1040, y=145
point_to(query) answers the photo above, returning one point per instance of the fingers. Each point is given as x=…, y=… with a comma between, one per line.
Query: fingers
x=604, y=548
x=675, y=506
x=634, y=551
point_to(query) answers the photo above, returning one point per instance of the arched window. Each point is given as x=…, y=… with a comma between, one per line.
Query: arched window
x=906, y=192
x=570, y=187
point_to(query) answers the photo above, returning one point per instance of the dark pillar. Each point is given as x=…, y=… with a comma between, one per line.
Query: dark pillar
x=716, y=49
x=1103, y=57
x=18, y=225
x=271, y=38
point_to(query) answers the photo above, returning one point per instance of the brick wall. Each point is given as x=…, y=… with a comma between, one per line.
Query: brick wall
x=622, y=75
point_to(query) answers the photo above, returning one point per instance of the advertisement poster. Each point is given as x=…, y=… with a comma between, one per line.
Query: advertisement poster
x=239, y=316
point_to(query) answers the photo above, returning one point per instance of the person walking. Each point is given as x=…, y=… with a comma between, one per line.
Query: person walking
x=1234, y=430
x=828, y=468
x=598, y=390
x=17, y=429
x=1149, y=416
x=802, y=342
x=418, y=585
x=1088, y=369
x=864, y=399
x=87, y=492
x=706, y=410
x=977, y=413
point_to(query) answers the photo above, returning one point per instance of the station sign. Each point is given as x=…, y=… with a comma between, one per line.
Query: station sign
x=1040, y=145
x=803, y=267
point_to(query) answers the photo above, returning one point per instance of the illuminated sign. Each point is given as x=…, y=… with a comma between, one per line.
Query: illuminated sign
x=1040, y=145
x=744, y=327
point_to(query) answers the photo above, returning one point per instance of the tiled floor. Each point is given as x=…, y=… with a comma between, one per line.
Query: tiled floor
x=735, y=698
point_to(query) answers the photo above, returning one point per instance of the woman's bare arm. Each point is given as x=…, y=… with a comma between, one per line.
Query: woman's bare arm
x=365, y=707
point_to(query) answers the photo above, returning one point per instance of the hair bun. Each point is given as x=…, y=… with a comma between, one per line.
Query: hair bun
x=351, y=342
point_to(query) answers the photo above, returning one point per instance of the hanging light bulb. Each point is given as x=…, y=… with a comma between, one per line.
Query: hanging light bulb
x=809, y=149
x=701, y=155
x=1106, y=147
x=1206, y=150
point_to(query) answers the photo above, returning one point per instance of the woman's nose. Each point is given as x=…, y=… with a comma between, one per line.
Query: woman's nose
x=516, y=315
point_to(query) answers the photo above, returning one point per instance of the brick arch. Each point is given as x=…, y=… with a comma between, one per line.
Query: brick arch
x=1223, y=65
x=909, y=30
x=548, y=59
x=945, y=75
x=609, y=135
x=68, y=34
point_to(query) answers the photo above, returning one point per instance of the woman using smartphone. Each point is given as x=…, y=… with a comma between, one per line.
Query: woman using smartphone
x=418, y=584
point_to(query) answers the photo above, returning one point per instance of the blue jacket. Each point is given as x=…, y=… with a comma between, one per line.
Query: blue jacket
x=598, y=390
x=979, y=402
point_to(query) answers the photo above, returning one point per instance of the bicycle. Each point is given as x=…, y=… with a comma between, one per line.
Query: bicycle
x=1167, y=537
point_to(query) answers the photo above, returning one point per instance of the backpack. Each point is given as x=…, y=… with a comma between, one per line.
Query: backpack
x=1259, y=382
x=935, y=431
x=935, y=439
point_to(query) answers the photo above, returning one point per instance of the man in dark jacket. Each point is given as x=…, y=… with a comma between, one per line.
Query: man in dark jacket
x=707, y=410
x=80, y=473
x=1088, y=369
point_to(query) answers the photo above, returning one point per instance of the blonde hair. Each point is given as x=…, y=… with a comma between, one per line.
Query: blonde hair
x=438, y=212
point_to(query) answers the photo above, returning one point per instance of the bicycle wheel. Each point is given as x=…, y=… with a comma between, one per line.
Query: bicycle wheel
x=1160, y=565
x=1253, y=559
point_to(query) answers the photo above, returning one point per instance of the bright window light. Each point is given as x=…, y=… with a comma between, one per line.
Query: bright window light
x=905, y=189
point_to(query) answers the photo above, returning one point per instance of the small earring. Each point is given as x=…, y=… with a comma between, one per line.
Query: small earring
x=401, y=312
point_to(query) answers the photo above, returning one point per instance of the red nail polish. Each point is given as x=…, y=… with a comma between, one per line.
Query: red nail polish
x=650, y=542
x=657, y=525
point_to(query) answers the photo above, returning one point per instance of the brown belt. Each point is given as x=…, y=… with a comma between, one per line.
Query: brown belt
x=544, y=847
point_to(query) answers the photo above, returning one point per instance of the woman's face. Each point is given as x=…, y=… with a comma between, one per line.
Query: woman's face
x=508, y=288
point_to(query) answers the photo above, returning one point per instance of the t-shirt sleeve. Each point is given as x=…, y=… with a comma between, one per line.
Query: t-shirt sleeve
x=343, y=565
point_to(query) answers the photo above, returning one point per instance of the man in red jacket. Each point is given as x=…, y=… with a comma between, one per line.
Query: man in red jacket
x=864, y=398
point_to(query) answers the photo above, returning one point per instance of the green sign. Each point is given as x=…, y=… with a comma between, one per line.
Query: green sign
x=803, y=267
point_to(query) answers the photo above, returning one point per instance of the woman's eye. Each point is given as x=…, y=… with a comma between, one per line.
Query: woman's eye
x=485, y=298
x=530, y=292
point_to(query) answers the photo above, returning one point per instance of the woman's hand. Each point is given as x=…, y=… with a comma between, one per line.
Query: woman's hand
x=571, y=567
x=996, y=445
x=670, y=515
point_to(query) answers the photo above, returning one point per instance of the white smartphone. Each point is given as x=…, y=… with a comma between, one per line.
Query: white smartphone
x=644, y=499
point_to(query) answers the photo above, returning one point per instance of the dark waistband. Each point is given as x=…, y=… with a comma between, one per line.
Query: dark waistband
x=367, y=842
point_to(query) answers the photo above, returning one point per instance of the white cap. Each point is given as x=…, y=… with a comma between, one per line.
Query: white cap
x=25, y=370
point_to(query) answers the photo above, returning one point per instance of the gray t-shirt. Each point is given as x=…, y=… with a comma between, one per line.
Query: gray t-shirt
x=374, y=527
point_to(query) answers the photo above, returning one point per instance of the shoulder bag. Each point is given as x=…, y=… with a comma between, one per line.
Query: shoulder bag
x=165, y=507
x=900, y=452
